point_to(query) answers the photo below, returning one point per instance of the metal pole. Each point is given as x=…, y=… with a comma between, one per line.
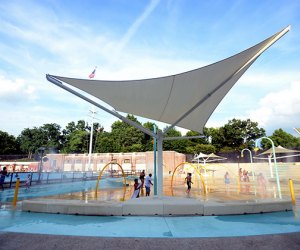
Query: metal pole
x=41, y=151
x=270, y=166
x=275, y=164
x=239, y=178
x=160, y=165
x=91, y=138
x=276, y=170
x=16, y=192
x=292, y=191
x=154, y=160
x=252, y=170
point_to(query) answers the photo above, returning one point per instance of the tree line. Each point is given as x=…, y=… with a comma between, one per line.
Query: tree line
x=74, y=138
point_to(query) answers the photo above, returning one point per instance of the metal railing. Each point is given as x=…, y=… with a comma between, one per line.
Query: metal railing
x=37, y=178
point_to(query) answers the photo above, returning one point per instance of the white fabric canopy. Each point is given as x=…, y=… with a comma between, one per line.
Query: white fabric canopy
x=200, y=155
x=186, y=100
x=279, y=150
x=208, y=158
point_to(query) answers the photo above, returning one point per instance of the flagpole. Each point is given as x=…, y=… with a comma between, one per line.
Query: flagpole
x=92, y=75
x=91, y=137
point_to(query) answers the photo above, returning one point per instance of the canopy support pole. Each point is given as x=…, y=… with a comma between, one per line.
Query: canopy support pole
x=160, y=165
x=154, y=161
x=183, y=137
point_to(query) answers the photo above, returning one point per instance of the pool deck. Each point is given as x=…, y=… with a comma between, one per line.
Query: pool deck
x=155, y=206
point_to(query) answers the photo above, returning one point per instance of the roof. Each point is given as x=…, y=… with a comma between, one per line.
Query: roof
x=279, y=150
x=186, y=100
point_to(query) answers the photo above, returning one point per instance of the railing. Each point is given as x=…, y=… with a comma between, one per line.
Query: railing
x=58, y=177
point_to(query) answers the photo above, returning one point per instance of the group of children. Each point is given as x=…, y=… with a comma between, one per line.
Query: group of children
x=138, y=186
x=4, y=174
x=244, y=177
x=147, y=182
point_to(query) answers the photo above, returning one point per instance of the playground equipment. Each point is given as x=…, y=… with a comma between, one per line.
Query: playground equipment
x=100, y=174
x=197, y=171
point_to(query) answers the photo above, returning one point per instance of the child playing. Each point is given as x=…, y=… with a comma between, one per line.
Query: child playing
x=27, y=183
x=189, y=183
x=137, y=187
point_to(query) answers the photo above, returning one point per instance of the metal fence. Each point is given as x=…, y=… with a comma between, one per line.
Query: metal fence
x=37, y=178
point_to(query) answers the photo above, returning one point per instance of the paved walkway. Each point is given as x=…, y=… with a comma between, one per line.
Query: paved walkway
x=38, y=241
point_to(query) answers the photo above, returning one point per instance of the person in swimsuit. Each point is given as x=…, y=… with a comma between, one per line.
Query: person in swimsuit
x=227, y=181
x=27, y=183
x=148, y=184
x=189, y=182
x=226, y=178
x=3, y=174
x=142, y=178
x=137, y=187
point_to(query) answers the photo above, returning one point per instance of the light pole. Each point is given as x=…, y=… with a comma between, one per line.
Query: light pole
x=41, y=151
x=251, y=160
x=91, y=137
x=275, y=163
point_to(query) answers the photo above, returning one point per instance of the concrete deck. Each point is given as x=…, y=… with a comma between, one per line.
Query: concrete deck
x=152, y=206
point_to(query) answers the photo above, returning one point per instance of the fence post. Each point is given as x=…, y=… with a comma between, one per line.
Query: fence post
x=11, y=177
x=31, y=174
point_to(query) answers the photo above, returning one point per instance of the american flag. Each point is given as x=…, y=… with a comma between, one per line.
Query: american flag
x=92, y=75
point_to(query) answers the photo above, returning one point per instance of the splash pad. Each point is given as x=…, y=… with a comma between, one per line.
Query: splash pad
x=207, y=198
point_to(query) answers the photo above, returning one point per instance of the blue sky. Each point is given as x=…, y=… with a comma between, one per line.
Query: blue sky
x=143, y=39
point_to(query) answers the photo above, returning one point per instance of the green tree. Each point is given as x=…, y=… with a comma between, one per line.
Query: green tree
x=78, y=141
x=52, y=135
x=30, y=140
x=76, y=137
x=236, y=134
x=217, y=137
x=281, y=138
x=205, y=148
x=105, y=143
x=178, y=145
x=148, y=140
x=8, y=144
x=194, y=146
x=197, y=140
x=125, y=135
x=48, y=135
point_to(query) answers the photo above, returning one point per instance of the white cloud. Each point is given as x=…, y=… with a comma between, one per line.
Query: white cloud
x=269, y=80
x=279, y=109
x=16, y=90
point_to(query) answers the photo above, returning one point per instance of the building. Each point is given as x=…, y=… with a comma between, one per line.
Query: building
x=136, y=161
